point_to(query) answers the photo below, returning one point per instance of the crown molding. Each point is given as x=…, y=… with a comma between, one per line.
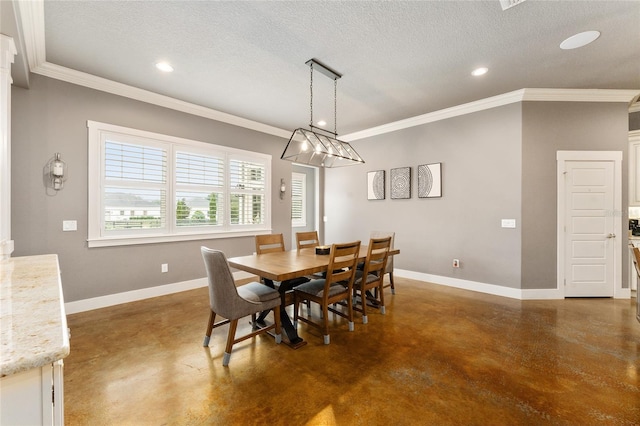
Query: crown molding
x=522, y=95
x=31, y=20
x=443, y=114
x=98, y=83
x=580, y=95
x=31, y=15
x=7, y=53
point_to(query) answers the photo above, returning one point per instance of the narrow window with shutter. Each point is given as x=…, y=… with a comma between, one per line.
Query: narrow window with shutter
x=247, y=184
x=298, y=199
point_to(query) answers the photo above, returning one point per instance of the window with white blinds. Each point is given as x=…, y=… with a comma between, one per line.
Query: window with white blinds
x=298, y=199
x=145, y=187
x=200, y=188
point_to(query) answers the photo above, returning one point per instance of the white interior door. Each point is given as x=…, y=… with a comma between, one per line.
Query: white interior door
x=590, y=233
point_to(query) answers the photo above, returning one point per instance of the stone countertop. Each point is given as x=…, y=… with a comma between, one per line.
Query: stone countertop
x=33, y=323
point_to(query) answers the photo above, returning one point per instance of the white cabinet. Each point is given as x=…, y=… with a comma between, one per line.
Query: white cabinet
x=634, y=168
x=33, y=397
x=34, y=339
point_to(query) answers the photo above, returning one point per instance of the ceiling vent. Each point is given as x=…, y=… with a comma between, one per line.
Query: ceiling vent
x=506, y=4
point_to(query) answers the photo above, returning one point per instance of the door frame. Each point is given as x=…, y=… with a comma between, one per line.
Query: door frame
x=616, y=157
x=316, y=202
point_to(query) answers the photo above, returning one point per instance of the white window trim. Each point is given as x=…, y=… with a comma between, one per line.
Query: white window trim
x=302, y=222
x=95, y=184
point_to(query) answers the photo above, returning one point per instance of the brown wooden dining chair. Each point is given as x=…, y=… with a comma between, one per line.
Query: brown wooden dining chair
x=307, y=239
x=389, y=267
x=336, y=287
x=233, y=303
x=371, y=277
x=271, y=243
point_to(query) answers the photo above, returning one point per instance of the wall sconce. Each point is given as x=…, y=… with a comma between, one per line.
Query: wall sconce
x=57, y=172
x=283, y=189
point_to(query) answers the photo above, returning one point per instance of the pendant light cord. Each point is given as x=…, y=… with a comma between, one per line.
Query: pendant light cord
x=335, y=107
x=311, y=98
x=335, y=103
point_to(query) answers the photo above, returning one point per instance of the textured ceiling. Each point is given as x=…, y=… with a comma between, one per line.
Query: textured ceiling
x=398, y=59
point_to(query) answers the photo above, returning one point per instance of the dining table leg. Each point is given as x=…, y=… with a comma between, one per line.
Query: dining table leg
x=291, y=337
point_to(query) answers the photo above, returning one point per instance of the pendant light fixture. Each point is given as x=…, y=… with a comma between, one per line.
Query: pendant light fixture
x=307, y=146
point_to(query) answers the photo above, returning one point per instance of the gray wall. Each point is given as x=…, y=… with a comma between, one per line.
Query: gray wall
x=496, y=164
x=554, y=126
x=481, y=169
x=52, y=117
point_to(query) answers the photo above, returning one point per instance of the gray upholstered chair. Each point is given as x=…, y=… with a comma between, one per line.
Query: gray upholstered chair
x=336, y=287
x=371, y=277
x=389, y=267
x=233, y=302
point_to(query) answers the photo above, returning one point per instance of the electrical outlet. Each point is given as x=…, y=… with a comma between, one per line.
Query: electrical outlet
x=508, y=223
x=456, y=263
x=69, y=225
x=164, y=268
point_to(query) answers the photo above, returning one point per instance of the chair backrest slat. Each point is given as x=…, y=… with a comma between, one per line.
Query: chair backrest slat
x=269, y=243
x=307, y=239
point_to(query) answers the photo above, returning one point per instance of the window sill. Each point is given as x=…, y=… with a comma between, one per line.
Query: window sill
x=157, y=239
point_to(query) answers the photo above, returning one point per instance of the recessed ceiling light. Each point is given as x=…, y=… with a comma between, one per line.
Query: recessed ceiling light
x=164, y=67
x=479, y=71
x=579, y=40
x=322, y=123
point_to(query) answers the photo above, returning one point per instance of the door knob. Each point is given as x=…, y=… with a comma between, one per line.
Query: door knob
x=611, y=235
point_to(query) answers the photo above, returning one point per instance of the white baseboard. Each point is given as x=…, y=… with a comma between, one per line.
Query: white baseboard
x=145, y=293
x=542, y=294
x=496, y=290
x=622, y=293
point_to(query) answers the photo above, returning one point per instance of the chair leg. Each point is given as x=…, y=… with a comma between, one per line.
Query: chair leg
x=233, y=324
x=207, y=336
x=363, y=300
x=325, y=323
x=276, y=317
x=393, y=287
x=382, y=309
x=350, y=311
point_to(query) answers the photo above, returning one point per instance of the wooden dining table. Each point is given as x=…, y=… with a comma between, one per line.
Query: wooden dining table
x=288, y=265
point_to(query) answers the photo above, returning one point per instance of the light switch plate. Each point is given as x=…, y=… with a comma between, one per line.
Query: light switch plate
x=69, y=225
x=508, y=223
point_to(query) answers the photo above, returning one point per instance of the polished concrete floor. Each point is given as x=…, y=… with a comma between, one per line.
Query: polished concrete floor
x=439, y=356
